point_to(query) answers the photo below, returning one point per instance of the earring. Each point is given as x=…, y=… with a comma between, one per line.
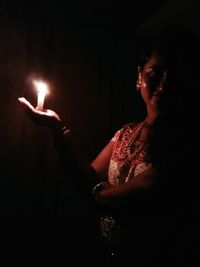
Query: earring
x=139, y=82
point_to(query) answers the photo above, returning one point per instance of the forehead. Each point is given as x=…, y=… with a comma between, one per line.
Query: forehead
x=156, y=60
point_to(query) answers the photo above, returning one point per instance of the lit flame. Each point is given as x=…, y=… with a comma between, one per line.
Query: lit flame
x=42, y=87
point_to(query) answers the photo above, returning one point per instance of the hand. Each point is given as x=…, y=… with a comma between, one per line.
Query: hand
x=45, y=117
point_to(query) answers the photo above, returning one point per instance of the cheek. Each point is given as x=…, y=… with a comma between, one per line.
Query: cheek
x=146, y=88
x=151, y=84
x=145, y=92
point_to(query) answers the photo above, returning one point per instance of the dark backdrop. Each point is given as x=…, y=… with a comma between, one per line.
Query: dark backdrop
x=92, y=74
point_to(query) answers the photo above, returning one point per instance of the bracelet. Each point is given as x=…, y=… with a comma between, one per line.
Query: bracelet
x=59, y=131
x=59, y=134
x=97, y=189
x=65, y=131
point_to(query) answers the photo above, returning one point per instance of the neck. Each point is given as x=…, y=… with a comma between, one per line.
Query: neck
x=147, y=124
x=150, y=121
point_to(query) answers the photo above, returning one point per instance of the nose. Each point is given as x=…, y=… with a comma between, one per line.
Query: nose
x=160, y=87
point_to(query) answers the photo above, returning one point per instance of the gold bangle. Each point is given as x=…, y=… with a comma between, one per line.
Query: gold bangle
x=65, y=131
x=97, y=189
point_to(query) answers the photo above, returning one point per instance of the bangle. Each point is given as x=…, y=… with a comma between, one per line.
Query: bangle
x=65, y=131
x=59, y=134
x=60, y=131
x=97, y=190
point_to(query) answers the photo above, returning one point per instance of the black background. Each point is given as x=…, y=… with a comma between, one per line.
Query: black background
x=89, y=56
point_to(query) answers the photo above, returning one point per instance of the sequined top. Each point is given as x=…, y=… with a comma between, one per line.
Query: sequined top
x=129, y=156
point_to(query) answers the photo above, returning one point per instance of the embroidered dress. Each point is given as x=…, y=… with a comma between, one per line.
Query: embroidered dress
x=129, y=158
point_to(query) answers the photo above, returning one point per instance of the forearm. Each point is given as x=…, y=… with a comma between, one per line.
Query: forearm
x=137, y=187
x=80, y=171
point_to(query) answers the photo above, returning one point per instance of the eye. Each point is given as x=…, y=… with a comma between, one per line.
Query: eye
x=152, y=74
x=155, y=74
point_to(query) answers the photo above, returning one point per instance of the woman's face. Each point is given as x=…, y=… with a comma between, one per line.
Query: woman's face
x=157, y=88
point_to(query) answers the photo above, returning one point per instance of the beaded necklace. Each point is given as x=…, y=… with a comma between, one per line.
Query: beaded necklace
x=136, y=146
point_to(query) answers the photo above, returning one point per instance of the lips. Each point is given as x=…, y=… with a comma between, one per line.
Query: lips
x=158, y=97
x=157, y=94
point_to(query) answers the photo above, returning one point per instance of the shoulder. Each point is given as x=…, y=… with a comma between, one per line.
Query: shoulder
x=129, y=126
x=126, y=128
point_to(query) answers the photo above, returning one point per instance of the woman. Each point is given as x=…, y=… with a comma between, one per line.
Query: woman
x=129, y=178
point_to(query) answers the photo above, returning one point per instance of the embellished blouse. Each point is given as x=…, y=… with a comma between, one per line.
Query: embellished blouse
x=129, y=155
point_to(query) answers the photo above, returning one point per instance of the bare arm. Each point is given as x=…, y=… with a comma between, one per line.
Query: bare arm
x=86, y=176
x=101, y=162
x=136, y=186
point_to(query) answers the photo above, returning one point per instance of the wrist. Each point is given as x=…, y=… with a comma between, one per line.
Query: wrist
x=59, y=130
x=97, y=189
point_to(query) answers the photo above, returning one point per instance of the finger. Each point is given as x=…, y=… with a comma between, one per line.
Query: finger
x=52, y=113
x=25, y=103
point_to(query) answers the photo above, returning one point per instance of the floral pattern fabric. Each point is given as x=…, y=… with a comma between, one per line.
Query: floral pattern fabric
x=129, y=156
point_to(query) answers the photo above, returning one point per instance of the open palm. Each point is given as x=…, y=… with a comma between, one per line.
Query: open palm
x=46, y=117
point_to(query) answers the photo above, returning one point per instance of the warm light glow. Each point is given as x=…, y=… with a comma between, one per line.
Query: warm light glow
x=42, y=89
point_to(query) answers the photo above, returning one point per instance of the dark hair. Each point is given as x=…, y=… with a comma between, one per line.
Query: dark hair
x=180, y=49
x=176, y=43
